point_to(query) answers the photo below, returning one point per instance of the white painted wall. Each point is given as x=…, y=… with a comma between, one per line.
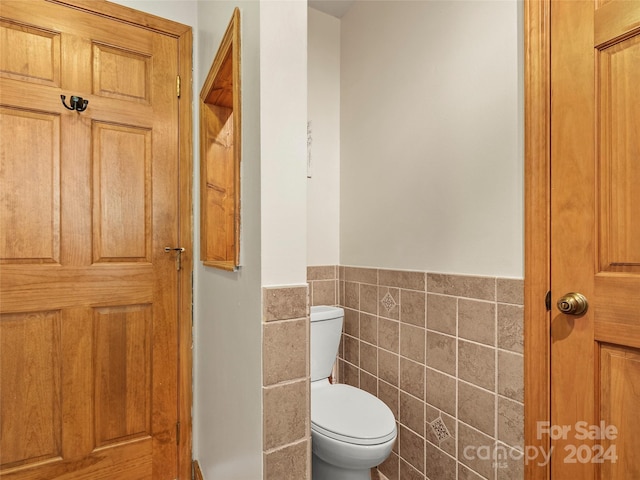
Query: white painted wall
x=323, y=188
x=228, y=306
x=182, y=11
x=431, y=137
x=283, y=130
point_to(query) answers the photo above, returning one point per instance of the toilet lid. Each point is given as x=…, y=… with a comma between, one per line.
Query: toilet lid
x=351, y=415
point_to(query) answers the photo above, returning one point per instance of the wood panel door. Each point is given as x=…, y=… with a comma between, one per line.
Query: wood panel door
x=595, y=239
x=88, y=202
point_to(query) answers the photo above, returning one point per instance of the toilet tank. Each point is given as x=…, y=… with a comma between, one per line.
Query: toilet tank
x=326, y=328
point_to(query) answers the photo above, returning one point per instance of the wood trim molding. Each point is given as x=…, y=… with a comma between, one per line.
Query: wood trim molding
x=127, y=15
x=220, y=183
x=185, y=314
x=197, y=473
x=537, y=228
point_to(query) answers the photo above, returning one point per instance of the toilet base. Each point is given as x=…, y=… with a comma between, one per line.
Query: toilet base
x=322, y=470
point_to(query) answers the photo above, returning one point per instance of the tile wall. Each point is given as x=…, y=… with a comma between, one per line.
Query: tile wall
x=323, y=285
x=285, y=384
x=444, y=352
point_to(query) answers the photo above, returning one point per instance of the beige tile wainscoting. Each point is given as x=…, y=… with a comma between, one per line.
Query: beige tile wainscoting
x=445, y=352
x=285, y=384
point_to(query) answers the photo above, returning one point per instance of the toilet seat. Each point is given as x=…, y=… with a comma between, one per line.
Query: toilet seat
x=351, y=415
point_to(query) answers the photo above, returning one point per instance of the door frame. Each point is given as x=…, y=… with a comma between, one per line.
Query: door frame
x=537, y=226
x=183, y=34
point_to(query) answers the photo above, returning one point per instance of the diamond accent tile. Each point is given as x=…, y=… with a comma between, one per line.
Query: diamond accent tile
x=388, y=302
x=440, y=429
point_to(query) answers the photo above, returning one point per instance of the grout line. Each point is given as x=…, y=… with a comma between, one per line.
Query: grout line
x=478, y=431
x=496, y=388
x=399, y=388
x=457, y=382
x=286, y=320
x=470, y=341
x=510, y=447
x=286, y=445
x=499, y=395
x=424, y=383
x=286, y=382
x=520, y=354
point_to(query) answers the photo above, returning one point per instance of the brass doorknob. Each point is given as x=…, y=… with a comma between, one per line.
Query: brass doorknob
x=573, y=304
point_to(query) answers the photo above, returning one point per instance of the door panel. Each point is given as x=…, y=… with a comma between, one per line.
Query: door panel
x=31, y=190
x=120, y=73
x=619, y=169
x=33, y=341
x=34, y=56
x=123, y=373
x=122, y=188
x=595, y=237
x=620, y=378
x=88, y=318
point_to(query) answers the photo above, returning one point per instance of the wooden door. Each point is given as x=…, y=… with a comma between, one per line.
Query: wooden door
x=89, y=201
x=595, y=239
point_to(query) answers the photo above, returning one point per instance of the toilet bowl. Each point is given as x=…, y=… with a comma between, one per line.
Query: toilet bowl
x=351, y=430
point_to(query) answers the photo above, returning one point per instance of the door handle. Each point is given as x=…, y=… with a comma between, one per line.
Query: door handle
x=178, y=251
x=573, y=304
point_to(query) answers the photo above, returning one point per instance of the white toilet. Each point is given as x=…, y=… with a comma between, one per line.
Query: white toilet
x=351, y=430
